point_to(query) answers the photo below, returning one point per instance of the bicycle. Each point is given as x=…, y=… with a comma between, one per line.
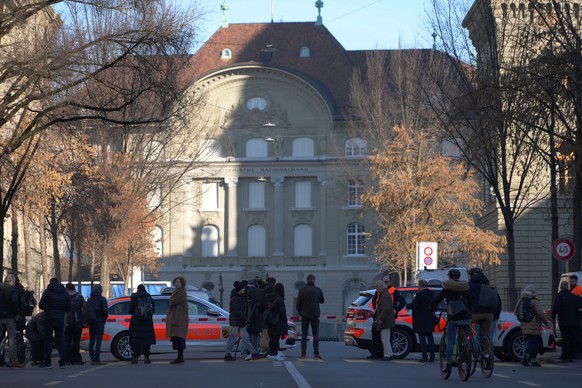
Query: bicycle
x=467, y=353
x=23, y=350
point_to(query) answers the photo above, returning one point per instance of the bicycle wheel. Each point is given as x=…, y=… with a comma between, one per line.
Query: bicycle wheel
x=23, y=351
x=4, y=355
x=443, y=356
x=474, y=349
x=486, y=357
x=464, y=357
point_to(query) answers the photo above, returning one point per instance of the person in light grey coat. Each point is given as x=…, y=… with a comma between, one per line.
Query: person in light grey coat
x=308, y=300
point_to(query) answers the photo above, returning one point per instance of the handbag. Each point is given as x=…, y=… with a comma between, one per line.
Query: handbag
x=455, y=308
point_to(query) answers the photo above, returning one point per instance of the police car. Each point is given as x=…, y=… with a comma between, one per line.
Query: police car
x=208, y=328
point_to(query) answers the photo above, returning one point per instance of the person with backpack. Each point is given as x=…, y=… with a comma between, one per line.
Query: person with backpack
x=96, y=313
x=74, y=326
x=141, y=324
x=531, y=327
x=482, y=312
x=455, y=291
x=8, y=313
x=56, y=303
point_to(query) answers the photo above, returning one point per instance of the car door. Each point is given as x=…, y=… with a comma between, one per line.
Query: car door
x=205, y=331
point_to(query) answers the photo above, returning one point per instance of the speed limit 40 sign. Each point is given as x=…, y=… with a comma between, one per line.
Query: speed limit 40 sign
x=563, y=249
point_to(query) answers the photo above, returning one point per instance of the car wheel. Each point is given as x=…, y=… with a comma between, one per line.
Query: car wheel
x=515, y=346
x=401, y=342
x=120, y=347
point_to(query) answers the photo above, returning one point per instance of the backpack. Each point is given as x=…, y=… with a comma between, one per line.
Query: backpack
x=90, y=310
x=144, y=309
x=524, y=311
x=75, y=316
x=27, y=303
x=488, y=296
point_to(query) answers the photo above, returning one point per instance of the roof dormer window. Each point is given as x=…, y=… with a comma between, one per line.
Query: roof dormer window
x=226, y=54
x=304, y=52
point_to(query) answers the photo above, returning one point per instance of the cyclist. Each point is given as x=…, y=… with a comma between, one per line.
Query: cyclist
x=482, y=316
x=454, y=289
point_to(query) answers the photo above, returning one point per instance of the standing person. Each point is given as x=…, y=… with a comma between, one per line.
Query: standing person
x=482, y=315
x=96, y=313
x=35, y=335
x=8, y=312
x=533, y=329
x=576, y=289
x=454, y=289
x=56, y=303
x=20, y=317
x=177, y=319
x=74, y=326
x=309, y=298
x=238, y=322
x=141, y=324
x=423, y=320
x=257, y=304
x=566, y=307
x=398, y=300
x=384, y=318
x=277, y=321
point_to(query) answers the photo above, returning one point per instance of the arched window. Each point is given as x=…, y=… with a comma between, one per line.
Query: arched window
x=158, y=240
x=226, y=53
x=303, y=146
x=256, y=241
x=210, y=148
x=356, y=239
x=209, y=241
x=304, y=52
x=356, y=147
x=256, y=148
x=302, y=240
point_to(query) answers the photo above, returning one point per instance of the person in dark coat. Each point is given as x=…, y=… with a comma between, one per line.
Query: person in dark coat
x=97, y=329
x=141, y=328
x=56, y=303
x=277, y=328
x=566, y=307
x=309, y=298
x=423, y=320
x=238, y=322
x=74, y=326
x=257, y=304
x=35, y=335
x=8, y=314
x=454, y=289
x=483, y=316
x=384, y=318
x=177, y=319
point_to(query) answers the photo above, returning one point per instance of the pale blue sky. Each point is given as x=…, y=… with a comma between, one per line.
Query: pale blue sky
x=356, y=24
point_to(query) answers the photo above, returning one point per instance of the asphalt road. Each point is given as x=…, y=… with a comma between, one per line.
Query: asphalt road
x=342, y=366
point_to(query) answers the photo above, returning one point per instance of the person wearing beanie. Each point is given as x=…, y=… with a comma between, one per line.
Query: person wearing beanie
x=56, y=303
x=532, y=330
x=74, y=326
x=141, y=325
x=98, y=304
x=423, y=320
x=238, y=323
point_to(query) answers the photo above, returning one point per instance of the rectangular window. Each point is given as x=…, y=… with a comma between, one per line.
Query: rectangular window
x=209, y=195
x=256, y=195
x=354, y=193
x=302, y=194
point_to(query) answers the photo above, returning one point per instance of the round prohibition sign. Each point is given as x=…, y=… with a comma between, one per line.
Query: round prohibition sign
x=428, y=252
x=427, y=260
x=563, y=249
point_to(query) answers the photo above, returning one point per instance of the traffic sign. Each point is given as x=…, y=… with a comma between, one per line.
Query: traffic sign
x=563, y=249
x=426, y=255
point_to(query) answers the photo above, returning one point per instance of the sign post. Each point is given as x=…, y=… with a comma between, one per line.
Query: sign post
x=426, y=255
x=563, y=249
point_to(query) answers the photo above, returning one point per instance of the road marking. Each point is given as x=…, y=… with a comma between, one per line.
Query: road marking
x=300, y=380
x=53, y=383
x=358, y=361
x=530, y=383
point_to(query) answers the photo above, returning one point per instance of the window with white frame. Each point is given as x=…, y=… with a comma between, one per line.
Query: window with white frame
x=355, y=189
x=256, y=195
x=356, y=239
x=226, y=53
x=302, y=240
x=256, y=241
x=303, y=147
x=209, y=198
x=302, y=194
x=356, y=147
x=158, y=240
x=256, y=148
x=209, y=241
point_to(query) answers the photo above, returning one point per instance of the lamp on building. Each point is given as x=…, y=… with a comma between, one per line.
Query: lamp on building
x=269, y=138
x=269, y=124
x=261, y=179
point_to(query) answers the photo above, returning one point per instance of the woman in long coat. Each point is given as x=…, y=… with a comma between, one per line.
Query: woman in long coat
x=423, y=320
x=177, y=318
x=278, y=327
x=141, y=327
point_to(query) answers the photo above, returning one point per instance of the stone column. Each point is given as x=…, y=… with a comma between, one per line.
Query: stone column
x=231, y=216
x=278, y=226
x=188, y=217
x=322, y=215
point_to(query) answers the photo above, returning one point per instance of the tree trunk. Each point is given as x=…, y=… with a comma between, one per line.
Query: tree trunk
x=14, y=240
x=28, y=259
x=55, y=238
x=72, y=248
x=44, y=258
x=104, y=278
x=510, y=236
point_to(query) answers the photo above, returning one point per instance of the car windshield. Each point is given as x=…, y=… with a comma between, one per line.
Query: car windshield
x=362, y=299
